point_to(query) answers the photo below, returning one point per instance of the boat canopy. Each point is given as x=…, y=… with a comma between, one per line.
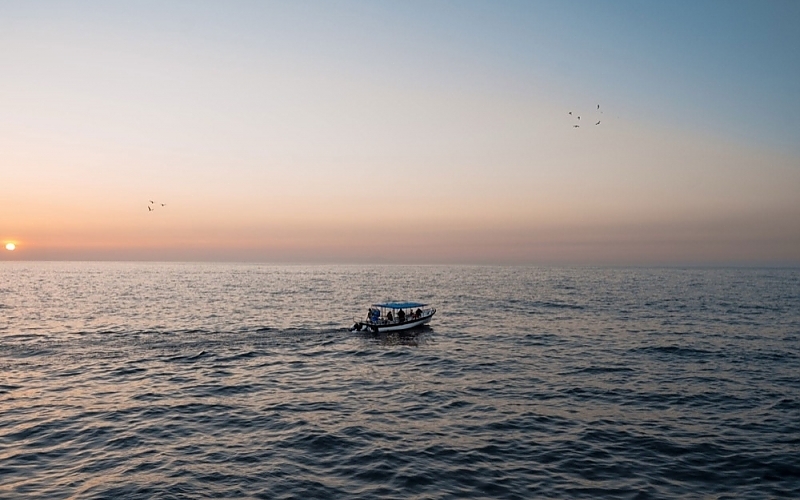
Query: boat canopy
x=400, y=305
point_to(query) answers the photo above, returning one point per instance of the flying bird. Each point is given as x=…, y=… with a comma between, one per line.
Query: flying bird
x=570, y=113
x=598, y=122
x=151, y=202
x=575, y=126
x=579, y=118
x=149, y=208
x=598, y=107
x=164, y=204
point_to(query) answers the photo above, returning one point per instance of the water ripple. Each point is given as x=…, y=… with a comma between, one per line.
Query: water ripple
x=241, y=381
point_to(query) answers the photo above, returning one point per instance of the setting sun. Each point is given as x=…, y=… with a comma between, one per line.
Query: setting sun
x=10, y=246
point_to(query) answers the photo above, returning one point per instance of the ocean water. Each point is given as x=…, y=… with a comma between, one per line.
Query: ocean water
x=138, y=380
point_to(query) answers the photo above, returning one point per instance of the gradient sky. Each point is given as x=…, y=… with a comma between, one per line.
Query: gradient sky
x=407, y=132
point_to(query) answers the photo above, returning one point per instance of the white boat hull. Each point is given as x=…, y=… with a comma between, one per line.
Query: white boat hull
x=392, y=327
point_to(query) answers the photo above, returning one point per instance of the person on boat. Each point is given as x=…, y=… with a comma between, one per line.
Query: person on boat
x=401, y=316
x=389, y=317
x=418, y=312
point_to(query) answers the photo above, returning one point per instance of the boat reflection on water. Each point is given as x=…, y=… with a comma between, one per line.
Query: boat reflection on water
x=420, y=336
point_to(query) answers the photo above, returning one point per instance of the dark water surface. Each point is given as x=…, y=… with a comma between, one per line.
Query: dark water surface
x=241, y=381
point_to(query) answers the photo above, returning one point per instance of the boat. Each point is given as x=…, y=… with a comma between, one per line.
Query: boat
x=394, y=317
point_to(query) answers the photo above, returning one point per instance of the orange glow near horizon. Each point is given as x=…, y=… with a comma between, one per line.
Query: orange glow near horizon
x=731, y=240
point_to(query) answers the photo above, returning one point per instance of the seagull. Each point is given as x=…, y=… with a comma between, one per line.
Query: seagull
x=570, y=112
x=149, y=208
x=579, y=118
x=598, y=107
x=151, y=202
x=598, y=122
x=164, y=204
x=575, y=126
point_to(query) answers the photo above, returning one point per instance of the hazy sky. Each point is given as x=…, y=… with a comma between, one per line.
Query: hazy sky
x=418, y=132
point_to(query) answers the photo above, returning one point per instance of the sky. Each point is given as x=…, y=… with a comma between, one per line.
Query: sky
x=418, y=132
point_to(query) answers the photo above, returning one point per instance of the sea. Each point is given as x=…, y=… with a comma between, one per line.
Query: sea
x=213, y=380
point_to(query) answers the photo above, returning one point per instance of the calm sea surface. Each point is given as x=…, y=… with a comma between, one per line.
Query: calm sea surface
x=130, y=380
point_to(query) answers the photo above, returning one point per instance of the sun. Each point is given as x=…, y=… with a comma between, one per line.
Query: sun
x=10, y=247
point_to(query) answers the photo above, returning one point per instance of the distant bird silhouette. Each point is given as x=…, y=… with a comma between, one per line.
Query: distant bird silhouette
x=164, y=204
x=578, y=117
x=149, y=208
x=151, y=202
